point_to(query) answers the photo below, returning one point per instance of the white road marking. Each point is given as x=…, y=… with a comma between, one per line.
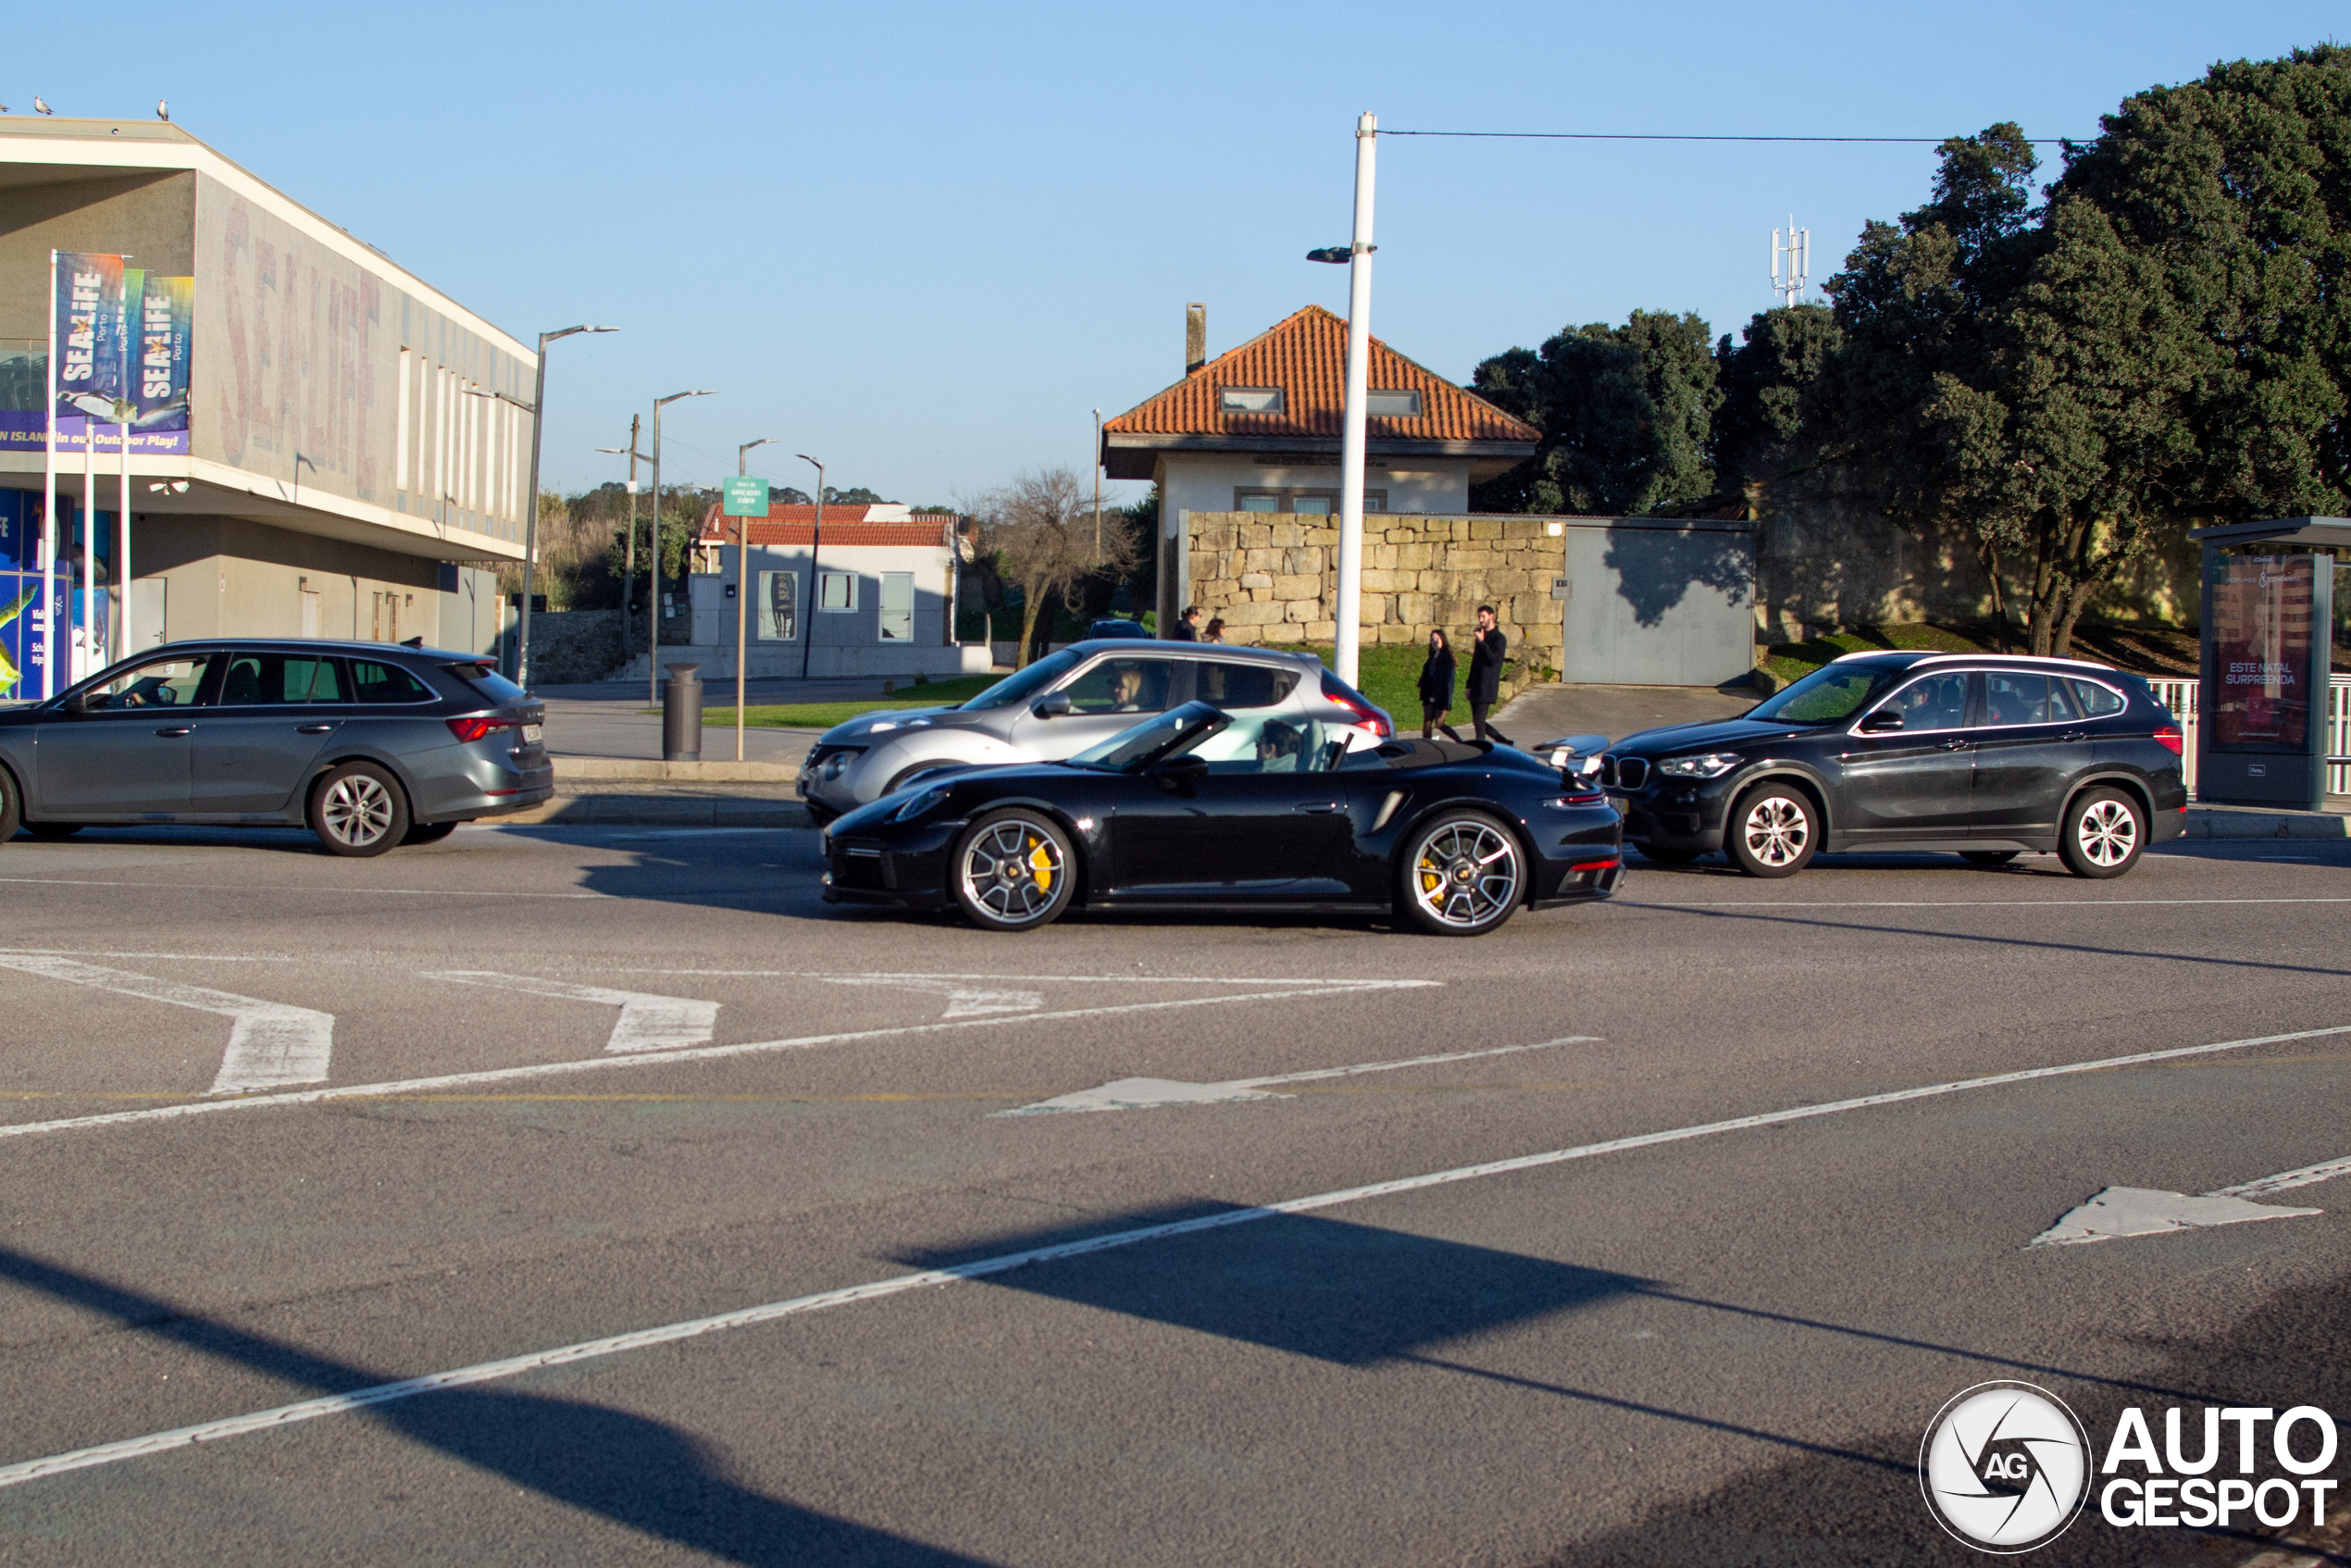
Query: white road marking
x=690, y=1053
x=271, y=1044
x=646, y=1023
x=963, y=1001
x=1141, y=1094
x=2145, y=1211
x=257, y=887
x=2069, y=905
x=667, y=1334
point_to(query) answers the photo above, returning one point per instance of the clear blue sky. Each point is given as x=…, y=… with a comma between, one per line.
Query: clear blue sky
x=923, y=241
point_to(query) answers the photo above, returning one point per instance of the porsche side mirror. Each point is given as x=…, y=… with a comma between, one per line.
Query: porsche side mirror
x=1185, y=769
x=1882, y=722
x=1053, y=704
x=74, y=702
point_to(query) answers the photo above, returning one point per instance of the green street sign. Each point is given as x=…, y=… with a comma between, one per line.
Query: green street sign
x=746, y=497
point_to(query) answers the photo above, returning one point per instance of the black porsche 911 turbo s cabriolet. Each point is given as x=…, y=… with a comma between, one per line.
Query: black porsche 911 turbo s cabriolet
x=1198, y=808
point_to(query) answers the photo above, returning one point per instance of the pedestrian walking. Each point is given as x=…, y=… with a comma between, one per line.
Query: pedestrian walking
x=1436, y=687
x=1188, y=625
x=1485, y=674
x=1214, y=630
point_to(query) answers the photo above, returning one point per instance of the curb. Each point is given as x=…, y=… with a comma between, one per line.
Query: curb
x=2239, y=822
x=657, y=811
x=675, y=772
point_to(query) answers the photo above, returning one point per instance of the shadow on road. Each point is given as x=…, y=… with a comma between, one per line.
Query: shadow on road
x=632, y=1470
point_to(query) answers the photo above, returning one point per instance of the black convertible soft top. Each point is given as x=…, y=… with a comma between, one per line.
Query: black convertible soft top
x=1407, y=754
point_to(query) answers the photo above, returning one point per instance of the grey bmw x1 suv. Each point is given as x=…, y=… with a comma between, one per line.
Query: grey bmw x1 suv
x=368, y=745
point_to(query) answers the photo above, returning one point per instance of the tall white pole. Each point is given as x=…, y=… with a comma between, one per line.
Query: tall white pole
x=89, y=538
x=122, y=552
x=48, y=617
x=1348, y=634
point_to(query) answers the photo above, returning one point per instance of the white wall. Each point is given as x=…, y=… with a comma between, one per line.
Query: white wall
x=1206, y=484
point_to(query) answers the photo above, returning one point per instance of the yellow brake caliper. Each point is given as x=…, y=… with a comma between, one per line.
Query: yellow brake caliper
x=1040, y=863
x=1431, y=878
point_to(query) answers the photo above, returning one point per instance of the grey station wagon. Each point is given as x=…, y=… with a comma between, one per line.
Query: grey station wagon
x=368, y=745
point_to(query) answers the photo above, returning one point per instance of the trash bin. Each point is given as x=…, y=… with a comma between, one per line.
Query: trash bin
x=682, y=714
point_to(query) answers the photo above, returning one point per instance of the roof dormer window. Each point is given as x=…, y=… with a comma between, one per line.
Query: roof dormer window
x=1249, y=400
x=1398, y=404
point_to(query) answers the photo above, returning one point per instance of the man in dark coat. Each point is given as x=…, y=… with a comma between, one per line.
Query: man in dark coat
x=1485, y=675
x=1188, y=625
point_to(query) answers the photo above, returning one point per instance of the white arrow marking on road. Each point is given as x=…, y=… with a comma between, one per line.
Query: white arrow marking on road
x=963, y=1002
x=2146, y=1210
x=1142, y=1094
x=271, y=1045
x=647, y=1021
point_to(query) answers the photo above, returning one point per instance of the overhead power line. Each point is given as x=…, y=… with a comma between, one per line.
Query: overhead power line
x=1653, y=136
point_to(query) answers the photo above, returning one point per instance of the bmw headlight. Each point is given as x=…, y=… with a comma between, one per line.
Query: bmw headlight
x=921, y=803
x=1712, y=765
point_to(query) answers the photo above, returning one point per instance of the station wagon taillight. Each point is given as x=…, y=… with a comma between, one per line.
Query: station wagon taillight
x=2170, y=739
x=475, y=728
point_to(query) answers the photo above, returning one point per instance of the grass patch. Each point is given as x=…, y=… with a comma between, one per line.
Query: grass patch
x=1794, y=661
x=1390, y=676
x=823, y=716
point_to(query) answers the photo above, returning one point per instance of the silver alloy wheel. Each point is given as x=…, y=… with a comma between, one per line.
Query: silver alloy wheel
x=1777, y=831
x=356, y=810
x=2107, y=833
x=1466, y=874
x=1011, y=870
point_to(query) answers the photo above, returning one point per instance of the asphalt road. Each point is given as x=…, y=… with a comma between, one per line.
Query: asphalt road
x=1480, y=1327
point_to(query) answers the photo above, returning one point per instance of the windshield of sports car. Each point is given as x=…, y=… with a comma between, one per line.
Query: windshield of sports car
x=1019, y=687
x=1829, y=695
x=1162, y=735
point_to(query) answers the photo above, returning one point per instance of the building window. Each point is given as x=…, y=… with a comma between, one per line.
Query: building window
x=1392, y=405
x=898, y=608
x=1312, y=502
x=837, y=592
x=1249, y=400
x=400, y=448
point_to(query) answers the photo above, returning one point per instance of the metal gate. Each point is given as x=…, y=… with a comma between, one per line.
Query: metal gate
x=1657, y=602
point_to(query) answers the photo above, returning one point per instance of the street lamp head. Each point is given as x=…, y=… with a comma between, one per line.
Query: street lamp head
x=1337, y=255
x=616, y=450
x=546, y=338
x=673, y=397
x=805, y=458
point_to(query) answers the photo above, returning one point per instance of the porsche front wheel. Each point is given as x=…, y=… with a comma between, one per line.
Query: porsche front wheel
x=1463, y=875
x=1012, y=871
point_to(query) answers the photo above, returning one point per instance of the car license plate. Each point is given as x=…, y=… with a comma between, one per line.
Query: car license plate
x=530, y=733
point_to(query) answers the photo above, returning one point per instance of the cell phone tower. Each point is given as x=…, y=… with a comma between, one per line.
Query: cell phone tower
x=1791, y=262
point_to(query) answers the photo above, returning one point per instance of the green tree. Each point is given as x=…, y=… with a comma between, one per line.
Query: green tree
x=1765, y=380
x=1625, y=414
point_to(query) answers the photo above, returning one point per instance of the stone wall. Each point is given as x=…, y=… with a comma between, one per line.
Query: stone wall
x=1271, y=576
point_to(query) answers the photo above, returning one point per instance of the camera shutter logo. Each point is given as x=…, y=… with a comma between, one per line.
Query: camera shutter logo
x=2004, y=1467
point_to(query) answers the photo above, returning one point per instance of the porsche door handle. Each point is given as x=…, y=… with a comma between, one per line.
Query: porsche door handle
x=2075, y=735
x=182, y=729
x=313, y=728
x=1319, y=808
x=1958, y=745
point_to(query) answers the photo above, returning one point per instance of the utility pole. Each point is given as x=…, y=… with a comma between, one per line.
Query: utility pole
x=816, y=588
x=1097, y=484
x=1348, y=634
x=629, y=546
x=652, y=600
x=531, y=515
x=742, y=592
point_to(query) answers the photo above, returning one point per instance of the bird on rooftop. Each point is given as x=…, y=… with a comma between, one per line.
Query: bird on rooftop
x=162, y=110
x=40, y=106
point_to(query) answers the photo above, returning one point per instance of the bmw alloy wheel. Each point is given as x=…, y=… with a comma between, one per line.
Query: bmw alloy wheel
x=2103, y=834
x=1772, y=832
x=1013, y=872
x=1464, y=876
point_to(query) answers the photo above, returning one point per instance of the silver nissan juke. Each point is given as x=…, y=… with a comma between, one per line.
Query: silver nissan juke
x=1066, y=703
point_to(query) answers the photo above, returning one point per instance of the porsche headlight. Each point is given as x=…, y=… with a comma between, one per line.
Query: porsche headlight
x=1712, y=765
x=923, y=803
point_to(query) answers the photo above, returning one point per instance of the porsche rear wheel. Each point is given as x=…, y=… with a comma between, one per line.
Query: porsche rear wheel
x=1012, y=871
x=1463, y=875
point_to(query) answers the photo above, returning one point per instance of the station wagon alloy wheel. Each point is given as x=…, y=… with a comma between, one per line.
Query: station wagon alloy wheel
x=1463, y=878
x=358, y=810
x=1013, y=872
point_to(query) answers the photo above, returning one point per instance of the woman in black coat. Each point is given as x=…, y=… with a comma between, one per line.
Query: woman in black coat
x=1436, y=687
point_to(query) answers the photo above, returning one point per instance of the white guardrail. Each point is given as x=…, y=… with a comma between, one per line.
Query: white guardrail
x=2180, y=697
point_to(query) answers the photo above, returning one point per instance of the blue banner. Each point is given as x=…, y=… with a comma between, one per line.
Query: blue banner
x=123, y=338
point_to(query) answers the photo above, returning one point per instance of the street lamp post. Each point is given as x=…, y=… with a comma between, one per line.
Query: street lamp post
x=742, y=592
x=816, y=591
x=1348, y=630
x=652, y=596
x=531, y=524
x=629, y=546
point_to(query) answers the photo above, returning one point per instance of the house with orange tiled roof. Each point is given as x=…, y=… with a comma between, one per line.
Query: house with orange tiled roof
x=1257, y=429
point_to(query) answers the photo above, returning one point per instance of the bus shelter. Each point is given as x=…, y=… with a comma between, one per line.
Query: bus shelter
x=2275, y=600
